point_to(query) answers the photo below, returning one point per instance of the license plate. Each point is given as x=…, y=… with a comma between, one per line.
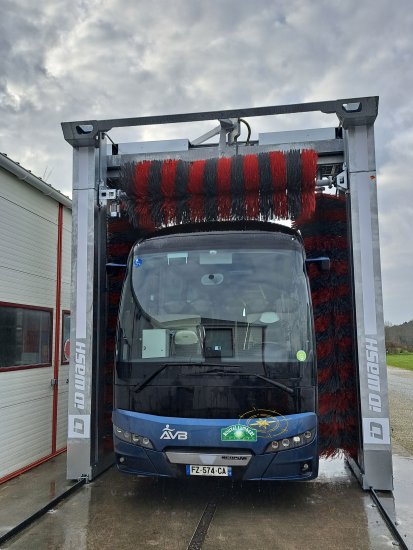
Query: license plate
x=192, y=470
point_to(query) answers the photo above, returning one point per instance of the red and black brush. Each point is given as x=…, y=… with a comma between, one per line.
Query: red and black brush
x=121, y=236
x=275, y=185
x=326, y=234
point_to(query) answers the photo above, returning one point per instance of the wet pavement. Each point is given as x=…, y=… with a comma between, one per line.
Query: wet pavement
x=24, y=495
x=403, y=492
x=400, y=386
x=124, y=512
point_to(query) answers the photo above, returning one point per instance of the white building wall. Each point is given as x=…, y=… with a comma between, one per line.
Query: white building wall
x=27, y=244
x=28, y=264
x=65, y=305
x=26, y=405
x=66, y=258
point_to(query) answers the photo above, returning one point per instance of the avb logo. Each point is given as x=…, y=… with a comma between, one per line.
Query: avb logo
x=168, y=433
x=79, y=426
x=376, y=431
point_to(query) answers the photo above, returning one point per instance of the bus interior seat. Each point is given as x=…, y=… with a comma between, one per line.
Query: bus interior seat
x=187, y=343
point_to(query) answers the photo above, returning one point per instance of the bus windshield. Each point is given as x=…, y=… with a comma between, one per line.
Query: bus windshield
x=204, y=301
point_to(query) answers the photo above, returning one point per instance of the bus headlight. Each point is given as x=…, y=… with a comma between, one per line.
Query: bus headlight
x=129, y=437
x=291, y=442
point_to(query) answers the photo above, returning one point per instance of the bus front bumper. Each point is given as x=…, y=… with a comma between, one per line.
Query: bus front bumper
x=175, y=443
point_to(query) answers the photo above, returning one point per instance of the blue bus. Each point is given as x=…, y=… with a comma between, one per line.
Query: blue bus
x=215, y=369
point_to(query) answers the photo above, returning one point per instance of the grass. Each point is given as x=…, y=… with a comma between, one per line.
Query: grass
x=400, y=360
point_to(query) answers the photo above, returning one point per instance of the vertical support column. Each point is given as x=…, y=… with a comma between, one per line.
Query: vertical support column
x=375, y=458
x=81, y=332
x=101, y=451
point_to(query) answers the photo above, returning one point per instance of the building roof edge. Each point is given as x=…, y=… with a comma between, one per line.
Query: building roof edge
x=25, y=175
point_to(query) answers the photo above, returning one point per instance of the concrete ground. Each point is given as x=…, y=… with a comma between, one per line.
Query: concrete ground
x=24, y=495
x=403, y=492
x=400, y=384
x=123, y=512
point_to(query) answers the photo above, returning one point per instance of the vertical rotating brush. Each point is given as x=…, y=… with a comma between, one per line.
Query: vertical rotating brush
x=326, y=234
x=121, y=236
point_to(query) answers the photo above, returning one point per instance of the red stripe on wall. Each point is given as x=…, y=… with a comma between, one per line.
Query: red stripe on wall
x=30, y=466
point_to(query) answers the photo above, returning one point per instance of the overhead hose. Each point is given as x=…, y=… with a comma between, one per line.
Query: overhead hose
x=248, y=128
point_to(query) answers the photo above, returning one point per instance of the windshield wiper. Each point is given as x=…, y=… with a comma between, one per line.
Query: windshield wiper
x=143, y=384
x=283, y=387
x=140, y=386
x=287, y=389
x=219, y=368
x=216, y=369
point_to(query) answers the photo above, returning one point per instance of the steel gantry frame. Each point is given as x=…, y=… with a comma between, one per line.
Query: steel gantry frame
x=351, y=148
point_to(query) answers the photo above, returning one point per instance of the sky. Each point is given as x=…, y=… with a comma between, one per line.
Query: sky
x=100, y=59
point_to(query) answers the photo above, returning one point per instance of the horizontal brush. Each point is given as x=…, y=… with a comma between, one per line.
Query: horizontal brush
x=274, y=185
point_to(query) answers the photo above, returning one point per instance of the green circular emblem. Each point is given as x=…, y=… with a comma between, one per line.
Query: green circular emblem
x=301, y=355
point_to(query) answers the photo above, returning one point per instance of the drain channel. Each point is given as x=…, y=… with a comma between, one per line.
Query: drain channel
x=202, y=528
x=389, y=522
x=31, y=519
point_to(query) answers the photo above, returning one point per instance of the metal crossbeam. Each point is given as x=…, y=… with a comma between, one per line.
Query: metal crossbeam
x=350, y=112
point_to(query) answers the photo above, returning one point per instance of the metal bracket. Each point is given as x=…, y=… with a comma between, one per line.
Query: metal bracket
x=114, y=210
x=342, y=181
x=54, y=382
x=84, y=478
x=112, y=196
x=230, y=126
x=355, y=112
x=205, y=137
x=106, y=194
x=326, y=181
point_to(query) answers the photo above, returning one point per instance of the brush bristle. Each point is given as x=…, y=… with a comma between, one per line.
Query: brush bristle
x=276, y=185
x=325, y=234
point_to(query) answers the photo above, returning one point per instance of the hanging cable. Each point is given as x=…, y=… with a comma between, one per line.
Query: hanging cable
x=115, y=147
x=249, y=130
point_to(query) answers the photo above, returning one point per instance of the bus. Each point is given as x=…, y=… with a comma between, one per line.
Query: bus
x=215, y=363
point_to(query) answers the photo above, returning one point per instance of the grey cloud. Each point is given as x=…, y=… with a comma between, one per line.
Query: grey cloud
x=104, y=59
